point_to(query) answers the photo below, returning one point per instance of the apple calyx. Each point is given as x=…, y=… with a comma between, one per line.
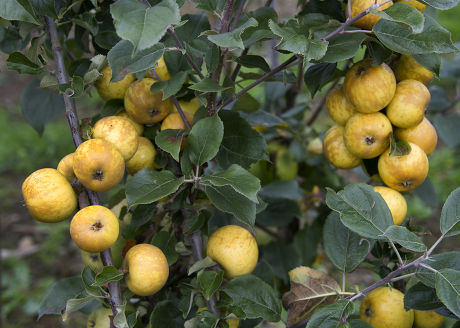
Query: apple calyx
x=96, y=226
x=98, y=175
x=369, y=140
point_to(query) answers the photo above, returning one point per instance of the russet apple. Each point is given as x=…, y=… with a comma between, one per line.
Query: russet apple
x=65, y=167
x=338, y=106
x=423, y=135
x=143, y=158
x=407, y=68
x=139, y=127
x=335, y=150
x=112, y=90
x=395, y=202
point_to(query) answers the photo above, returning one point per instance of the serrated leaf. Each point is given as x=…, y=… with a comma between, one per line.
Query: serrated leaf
x=405, y=238
x=421, y=297
x=171, y=86
x=331, y=315
x=18, y=62
x=227, y=200
x=289, y=189
x=253, y=61
x=108, y=274
x=450, y=215
x=167, y=243
x=143, y=26
x=256, y=298
x=403, y=13
x=238, y=178
x=148, y=186
x=76, y=304
x=204, y=139
x=170, y=141
x=343, y=247
x=232, y=39
x=318, y=75
x=15, y=10
x=448, y=289
x=208, y=85
x=262, y=118
x=361, y=210
x=123, y=60
x=399, y=37
x=343, y=46
x=210, y=282
x=202, y=264
x=439, y=261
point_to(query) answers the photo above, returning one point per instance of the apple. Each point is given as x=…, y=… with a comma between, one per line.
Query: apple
x=99, y=318
x=369, y=87
x=98, y=165
x=338, y=106
x=423, y=135
x=147, y=268
x=367, y=135
x=427, y=319
x=414, y=3
x=407, y=108
x=48, y=195
x=335, y=150
x=94, y=228
x=112, y=90
x=235, y=249
x=189, y=106
x=161, y=69
x=120, y=132
x=407, y=68
x=65, y=167
x=174, y=121
x=404, y=172
x=144, y=106
x=92, y=260
x=139, y=127
x=395, y=202
x=384, y=308
x=143, y=158
x=367, y=22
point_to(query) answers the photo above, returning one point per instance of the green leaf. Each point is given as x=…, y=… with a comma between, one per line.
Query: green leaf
x=399, y=147
x=18, y=10
x=208, y=85
x=447, y=127
x=143, y=26
x=232, y=39
x=261, y=118
x=210, y=5
x=306, y=241
x=228, y=200
x=281, y=258
x=359, y=324
x=439, y=261
x=204, y=139
x=210, y=282
x=238, y=178
x=282, y=190
x=44, y=8
x=319, y=75
x=399, y=37
x=343, y=46
x=166, y=315
x=123, y=61
x=241, y=144
x=40, y=106
x=246, y=104
x=450, y=215
x=448, y=289
x=75, y=304
x=343, y=247
x=148, y=186
x=170, y=141
x=279, y=212
x=18, y=62
x=431, y=62
x=361, y=210
x=171, y=86
x=421, y=297
x=253, y=61
x=167, y=243
x=330, y=316
x=202, y=264
x=256, y=298
x=442, y=4
x=58, y=295
x=405, y=238
x=403, y=13
x=108, y=274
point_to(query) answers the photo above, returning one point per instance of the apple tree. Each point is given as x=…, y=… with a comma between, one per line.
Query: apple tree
x=230, y=206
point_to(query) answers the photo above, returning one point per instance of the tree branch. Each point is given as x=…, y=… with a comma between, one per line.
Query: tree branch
x=237, y=15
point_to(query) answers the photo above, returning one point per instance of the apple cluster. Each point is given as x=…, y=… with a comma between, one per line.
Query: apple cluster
x=380, y=118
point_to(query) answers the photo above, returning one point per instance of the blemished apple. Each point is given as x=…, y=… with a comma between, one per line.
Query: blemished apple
x=143, y=158
x=407, y=68
x=335, y=150
x=112, y=90
x=98, y=165
x=395, y=202
x=367, y=22
x=423, y=135
x=338, y=106
x=48, y=195
x=139, y=127
x=94, y=228
x=65, y=167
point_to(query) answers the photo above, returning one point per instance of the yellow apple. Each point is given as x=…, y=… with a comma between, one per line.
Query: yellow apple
x=161, y=69
x=367, y=135
x=369, y=88
x=407, y=108
x=92, y=260
x=143, y=158
x=99, y=318
x=144, y=106
x=405, y=172
x=407, y=68
x=384, y=308
x=139, y=127
x=119, y=132
x=94, y=228
x=395, y=202
x=367, y=22
x=65, y=167
x=48, y=195
x=427, y=319
x=423, y=135
x=98, y=165
x=189, y=106
x=235, y=249
x=335, y=150
x=414, y=3
x=112, y=90
x=338, y=106
x=174, y=121
x=147, y=268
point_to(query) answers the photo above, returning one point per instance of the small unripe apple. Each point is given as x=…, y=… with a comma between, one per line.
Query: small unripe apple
x=367, y=135
x=407, y=68
x=143, y=158
x=98, y=165
x=335, y=150
x=112, y=90
x=65, y=167
x=338, y=106
x=120, y=132
x=369, y=88
x=94, y=228
x=423, y=135
x=99, y=318
x=48, y=195
x=367, y=22
x=407, y=108
x=395, y=202
x=139, y=127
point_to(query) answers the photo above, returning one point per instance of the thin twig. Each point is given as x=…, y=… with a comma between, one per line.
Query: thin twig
x=238, y=13
x=392, y=244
